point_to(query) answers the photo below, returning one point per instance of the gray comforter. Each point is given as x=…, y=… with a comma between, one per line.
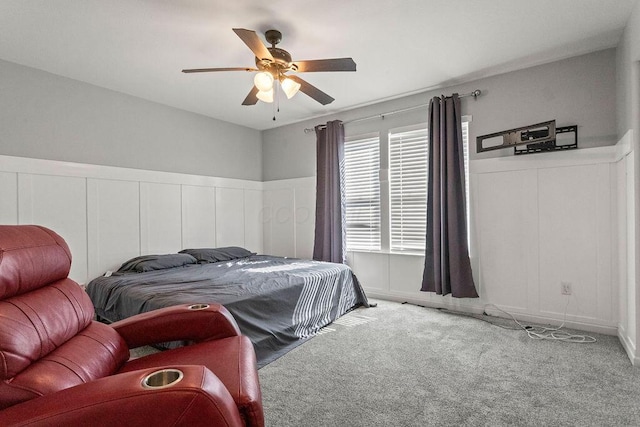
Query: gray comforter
x=277, y=302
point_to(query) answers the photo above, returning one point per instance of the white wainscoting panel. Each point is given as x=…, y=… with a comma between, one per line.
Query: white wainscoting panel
x=253, y=220
x=569, y=252
x=289, y=217
x=108, y=214
x=9, y=193
x=160, y=218
x=59, y=203
x=405, y=272
x=113, y=224
x=631, y=252
x=542, y=220
x=372, y=270
x=280, y=222
x=508, y=209
x=198, y=217
x=626, y=199
x=621, y=245
x=230, y=217
x=305, y=219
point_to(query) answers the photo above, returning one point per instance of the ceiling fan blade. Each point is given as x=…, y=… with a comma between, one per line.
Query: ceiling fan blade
x=337, y=64
x=251, y=39
x=209, y=70
x=252, y=98
x=312, y=91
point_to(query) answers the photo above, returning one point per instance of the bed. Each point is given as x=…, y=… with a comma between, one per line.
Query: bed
x=277, y=302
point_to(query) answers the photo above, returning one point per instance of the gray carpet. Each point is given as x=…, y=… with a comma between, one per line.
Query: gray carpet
x=404, y=365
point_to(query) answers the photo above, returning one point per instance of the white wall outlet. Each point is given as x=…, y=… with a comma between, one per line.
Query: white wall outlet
x=565, y=288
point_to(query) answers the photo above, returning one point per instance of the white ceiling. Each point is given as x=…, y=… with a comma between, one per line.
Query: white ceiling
x=139, y=47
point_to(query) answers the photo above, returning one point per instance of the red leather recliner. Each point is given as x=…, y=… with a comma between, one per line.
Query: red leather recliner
x=60, y=367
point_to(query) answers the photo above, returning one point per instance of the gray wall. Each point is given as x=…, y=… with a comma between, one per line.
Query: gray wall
x=579, y=90
x=46, y=116
x=628, y=76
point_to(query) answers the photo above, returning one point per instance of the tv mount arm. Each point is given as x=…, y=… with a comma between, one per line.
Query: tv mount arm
x=538, y=138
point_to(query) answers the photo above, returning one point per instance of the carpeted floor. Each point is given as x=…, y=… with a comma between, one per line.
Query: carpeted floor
x=404, y=365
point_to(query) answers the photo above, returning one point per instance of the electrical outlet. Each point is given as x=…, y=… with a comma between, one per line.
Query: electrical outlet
x=565, y=288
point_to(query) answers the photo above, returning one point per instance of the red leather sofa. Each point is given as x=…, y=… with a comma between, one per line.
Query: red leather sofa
x=60, y=367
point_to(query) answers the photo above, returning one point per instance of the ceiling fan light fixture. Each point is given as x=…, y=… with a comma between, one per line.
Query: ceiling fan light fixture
x=263, y=81
x=290, y=88
x=265, y=95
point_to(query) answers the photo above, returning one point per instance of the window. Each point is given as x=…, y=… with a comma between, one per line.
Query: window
x=408, y=176
x=408, y=172
x=391, y=215
x=362, y=193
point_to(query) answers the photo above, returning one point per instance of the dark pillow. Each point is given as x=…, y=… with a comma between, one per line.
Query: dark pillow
x=156, y=262
x=205, y=255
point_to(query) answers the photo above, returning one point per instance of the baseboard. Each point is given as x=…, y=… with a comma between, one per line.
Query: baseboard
x=471, y=306
x=628, y=347
x=571, y=324
x=475, y=306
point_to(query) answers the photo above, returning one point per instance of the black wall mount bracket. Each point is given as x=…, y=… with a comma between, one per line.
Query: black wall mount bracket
x=530, y=139
x=563, y=141
x=540, y=132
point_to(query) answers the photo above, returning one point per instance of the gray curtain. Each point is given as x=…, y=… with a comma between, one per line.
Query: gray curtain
x=330, y=230
x=447, y=268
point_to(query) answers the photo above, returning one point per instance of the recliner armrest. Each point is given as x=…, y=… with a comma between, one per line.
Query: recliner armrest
x=177, y=323
x=198, y=399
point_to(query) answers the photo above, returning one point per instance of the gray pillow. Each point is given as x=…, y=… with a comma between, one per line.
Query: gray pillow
x=156, y=262
x=228, y=253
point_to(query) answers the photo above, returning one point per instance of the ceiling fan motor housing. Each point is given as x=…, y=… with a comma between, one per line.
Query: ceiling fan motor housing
x=281, y=61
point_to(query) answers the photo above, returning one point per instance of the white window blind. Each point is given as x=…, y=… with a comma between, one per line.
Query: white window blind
x=408, y=175
x=465, y=145
x=362, y=193
x=408, y=161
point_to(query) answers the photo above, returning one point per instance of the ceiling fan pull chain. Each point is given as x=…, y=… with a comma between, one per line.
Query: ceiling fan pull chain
x=276, y=104
x=275, y=108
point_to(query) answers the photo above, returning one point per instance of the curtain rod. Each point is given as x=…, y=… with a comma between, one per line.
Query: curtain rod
x=475, y=94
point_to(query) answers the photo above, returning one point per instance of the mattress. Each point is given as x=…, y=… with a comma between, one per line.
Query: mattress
x=277, y=302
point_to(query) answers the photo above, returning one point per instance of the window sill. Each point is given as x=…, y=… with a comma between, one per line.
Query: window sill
x=362, y=251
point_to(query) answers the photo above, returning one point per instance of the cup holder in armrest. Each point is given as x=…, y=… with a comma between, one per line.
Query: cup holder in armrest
x=198, y=306
x=162, y=379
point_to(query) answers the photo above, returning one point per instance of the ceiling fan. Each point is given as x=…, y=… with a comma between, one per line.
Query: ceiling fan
x=274, y=63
